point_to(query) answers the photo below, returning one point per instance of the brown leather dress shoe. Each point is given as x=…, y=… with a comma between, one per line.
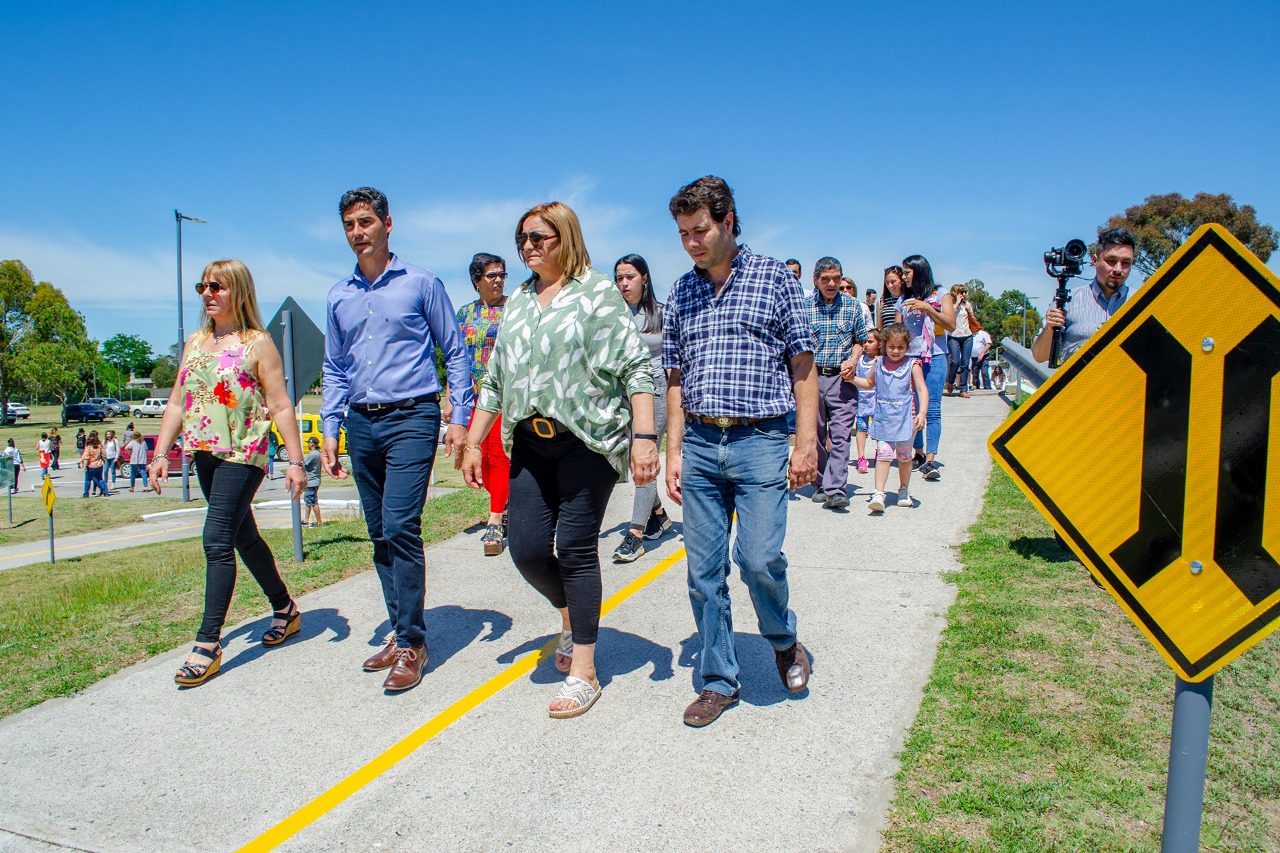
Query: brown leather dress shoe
x=793, y=667
x=384, y=658
x=708, y=707
x=406, y=671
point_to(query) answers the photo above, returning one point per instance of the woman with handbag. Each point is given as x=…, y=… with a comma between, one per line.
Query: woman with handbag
x=960, y=341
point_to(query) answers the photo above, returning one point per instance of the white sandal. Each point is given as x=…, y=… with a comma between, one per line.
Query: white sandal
x=575, y=689
x=564, y=649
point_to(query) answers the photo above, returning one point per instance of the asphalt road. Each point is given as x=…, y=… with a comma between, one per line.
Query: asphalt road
x=296, y=748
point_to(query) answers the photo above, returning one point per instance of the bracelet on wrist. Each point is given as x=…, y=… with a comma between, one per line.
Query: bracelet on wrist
x=297, y=462
x=649, y=435
x=475, y=447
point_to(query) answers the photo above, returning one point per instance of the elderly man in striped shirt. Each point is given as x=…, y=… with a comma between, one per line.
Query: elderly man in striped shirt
x=839, y=331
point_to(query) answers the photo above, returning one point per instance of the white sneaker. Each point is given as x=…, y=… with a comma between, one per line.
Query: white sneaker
x=876, y=504
x=904, y=499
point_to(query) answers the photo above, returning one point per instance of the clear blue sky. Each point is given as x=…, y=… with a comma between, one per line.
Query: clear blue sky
x=977, y=136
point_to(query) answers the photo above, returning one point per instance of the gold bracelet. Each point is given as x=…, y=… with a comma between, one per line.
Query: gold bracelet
x=473, y=447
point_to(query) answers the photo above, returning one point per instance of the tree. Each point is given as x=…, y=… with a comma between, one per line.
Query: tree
x=128, y=353
x=1163, y=222
x=989, y=312
x=1008, y=308
x=17, y=286
x=53, y=352
x=164, y=370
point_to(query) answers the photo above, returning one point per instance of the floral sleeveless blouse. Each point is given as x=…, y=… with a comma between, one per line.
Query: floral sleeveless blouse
x=223, y=409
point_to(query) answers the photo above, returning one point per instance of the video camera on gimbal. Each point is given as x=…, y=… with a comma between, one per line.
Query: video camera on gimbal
x=1063, y=264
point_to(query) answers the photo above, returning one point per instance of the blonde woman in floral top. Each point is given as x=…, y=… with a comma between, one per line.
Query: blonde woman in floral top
x=230, y=378
x=568, y=362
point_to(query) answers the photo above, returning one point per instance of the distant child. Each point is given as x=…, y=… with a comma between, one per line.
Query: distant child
x=44, y=452
x=892, y=426
x=867, y=396
x=310, y=495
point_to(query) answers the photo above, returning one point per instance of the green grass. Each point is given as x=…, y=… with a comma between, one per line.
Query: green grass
x=1045, y=722
x=68, y=626
x=72, y=515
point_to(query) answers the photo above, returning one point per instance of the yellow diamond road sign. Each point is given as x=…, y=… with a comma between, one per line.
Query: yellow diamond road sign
x=47, y=493
x=1154, y=448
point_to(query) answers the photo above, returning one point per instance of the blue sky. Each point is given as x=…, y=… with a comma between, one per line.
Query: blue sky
x=977, y=135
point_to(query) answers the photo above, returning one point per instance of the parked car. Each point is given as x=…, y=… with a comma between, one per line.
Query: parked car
x=175, y=453
x=152, y=407
x=15, y=411
x=113, y=406
x=83, y=412
x=310, y=427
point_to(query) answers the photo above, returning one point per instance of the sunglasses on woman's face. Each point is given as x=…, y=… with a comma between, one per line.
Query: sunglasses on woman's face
x=535, y=238
x=213, y=287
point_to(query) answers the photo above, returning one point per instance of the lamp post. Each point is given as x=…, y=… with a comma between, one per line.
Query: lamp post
x=182, y=339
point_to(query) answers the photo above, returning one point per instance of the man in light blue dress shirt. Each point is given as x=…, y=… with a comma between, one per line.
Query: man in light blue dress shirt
x=384, y=322
x=1091, y=304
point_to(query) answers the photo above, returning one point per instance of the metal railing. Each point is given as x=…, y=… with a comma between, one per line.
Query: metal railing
x=1029, y=371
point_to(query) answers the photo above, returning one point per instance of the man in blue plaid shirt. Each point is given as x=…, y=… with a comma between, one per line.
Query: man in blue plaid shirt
x=733, y=327
x=839, y=331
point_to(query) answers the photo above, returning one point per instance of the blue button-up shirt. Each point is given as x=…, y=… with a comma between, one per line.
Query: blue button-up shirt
x=380, y=343
x=1086, y=312
x=732, y=349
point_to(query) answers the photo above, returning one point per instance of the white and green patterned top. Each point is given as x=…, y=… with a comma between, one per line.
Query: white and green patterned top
x=578, y=361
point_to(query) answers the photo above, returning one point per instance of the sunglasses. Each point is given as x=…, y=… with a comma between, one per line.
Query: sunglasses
x=497, y=276
x=213, y=287
x=535, y=238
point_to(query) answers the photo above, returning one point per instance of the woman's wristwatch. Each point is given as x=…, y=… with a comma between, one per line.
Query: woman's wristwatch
x=649, y=435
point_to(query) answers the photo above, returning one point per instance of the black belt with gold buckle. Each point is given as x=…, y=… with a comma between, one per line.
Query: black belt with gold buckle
x=543, y=427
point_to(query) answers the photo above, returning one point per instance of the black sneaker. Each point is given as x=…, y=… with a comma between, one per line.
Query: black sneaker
x=819, y=496
x=930, y=471
x=658, y=525
x=917, y=463
x=631, y=549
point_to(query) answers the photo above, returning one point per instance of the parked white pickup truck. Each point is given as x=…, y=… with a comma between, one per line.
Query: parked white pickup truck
x=152, y=407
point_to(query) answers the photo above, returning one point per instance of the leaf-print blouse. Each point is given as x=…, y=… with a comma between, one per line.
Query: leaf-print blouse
x=578, y=361
x=223, y=410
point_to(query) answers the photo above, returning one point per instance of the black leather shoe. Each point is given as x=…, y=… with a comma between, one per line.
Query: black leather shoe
x=708, y=707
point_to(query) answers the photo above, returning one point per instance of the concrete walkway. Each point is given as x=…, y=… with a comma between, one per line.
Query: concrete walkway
x=132, y=764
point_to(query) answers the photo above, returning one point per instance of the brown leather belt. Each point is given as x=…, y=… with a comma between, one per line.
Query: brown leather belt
x=724, y=423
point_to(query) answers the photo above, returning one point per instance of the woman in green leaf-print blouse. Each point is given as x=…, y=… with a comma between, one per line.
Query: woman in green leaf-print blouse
x=569, y=374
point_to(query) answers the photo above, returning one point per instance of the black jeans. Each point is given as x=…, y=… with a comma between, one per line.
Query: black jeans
x=229, y=528
x=391, y=454
x=559, y=491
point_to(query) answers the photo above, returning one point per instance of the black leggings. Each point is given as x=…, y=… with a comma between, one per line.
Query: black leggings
x=229, y=527
x=559, y=491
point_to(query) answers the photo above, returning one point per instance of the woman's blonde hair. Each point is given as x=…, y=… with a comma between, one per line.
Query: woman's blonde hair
x=572, y=251
x=233, y=274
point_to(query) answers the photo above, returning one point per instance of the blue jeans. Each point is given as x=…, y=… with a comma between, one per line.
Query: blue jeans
x=959, y=354
x=136, y=471
x=744, y=470
x=392, y=453
x=935, y=372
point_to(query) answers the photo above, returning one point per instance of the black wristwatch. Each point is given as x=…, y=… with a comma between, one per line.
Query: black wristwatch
x=648, y=435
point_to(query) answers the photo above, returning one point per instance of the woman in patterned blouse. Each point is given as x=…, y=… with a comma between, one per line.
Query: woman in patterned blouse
x=567, y=363
x=231, y=374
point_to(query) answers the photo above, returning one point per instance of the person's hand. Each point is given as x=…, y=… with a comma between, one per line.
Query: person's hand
x=329, y=459
x=469, y=461
x=915, y=305
x=455, y=438
x=673, y=479
x=644, y=461
x=918, y=421
x=1054, y=318
x=158, y=472
x=846, y=370
x=295, y=480
x=804, y=466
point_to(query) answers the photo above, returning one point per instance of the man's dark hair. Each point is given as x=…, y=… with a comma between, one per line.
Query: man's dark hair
x=374, y=198
x=479, y=261
x=707, y=192
x=790, y=261
x=1115, y=237
x=871, y=291
x=826, y=263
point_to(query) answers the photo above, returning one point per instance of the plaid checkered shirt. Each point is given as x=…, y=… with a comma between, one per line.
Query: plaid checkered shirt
x=732, y=350
x=837, y=326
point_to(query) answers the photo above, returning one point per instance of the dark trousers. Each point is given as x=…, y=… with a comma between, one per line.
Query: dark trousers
x=229, y=528
x=559, y=491
x=391, y=454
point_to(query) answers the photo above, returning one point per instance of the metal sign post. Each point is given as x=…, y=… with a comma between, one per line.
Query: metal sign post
x=1188, y=758
x=291, y=382
x=50, y=498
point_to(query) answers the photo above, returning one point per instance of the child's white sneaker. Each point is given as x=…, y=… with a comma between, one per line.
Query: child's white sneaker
x=876, y=504
x=904, y=499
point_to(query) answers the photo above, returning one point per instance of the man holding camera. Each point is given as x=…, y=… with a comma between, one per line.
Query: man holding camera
x=1091, y=304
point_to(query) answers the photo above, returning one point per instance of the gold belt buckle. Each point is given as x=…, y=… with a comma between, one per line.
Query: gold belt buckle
x=724, y=423
x=541, y=424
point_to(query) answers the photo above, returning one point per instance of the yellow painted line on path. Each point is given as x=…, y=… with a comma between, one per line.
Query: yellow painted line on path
x=140, y=535
x=330, y=799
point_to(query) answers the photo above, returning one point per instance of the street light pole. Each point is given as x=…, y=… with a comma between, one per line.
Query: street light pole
x=182, y=339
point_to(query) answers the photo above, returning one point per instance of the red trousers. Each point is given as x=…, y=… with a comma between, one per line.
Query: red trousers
x=495, y=467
